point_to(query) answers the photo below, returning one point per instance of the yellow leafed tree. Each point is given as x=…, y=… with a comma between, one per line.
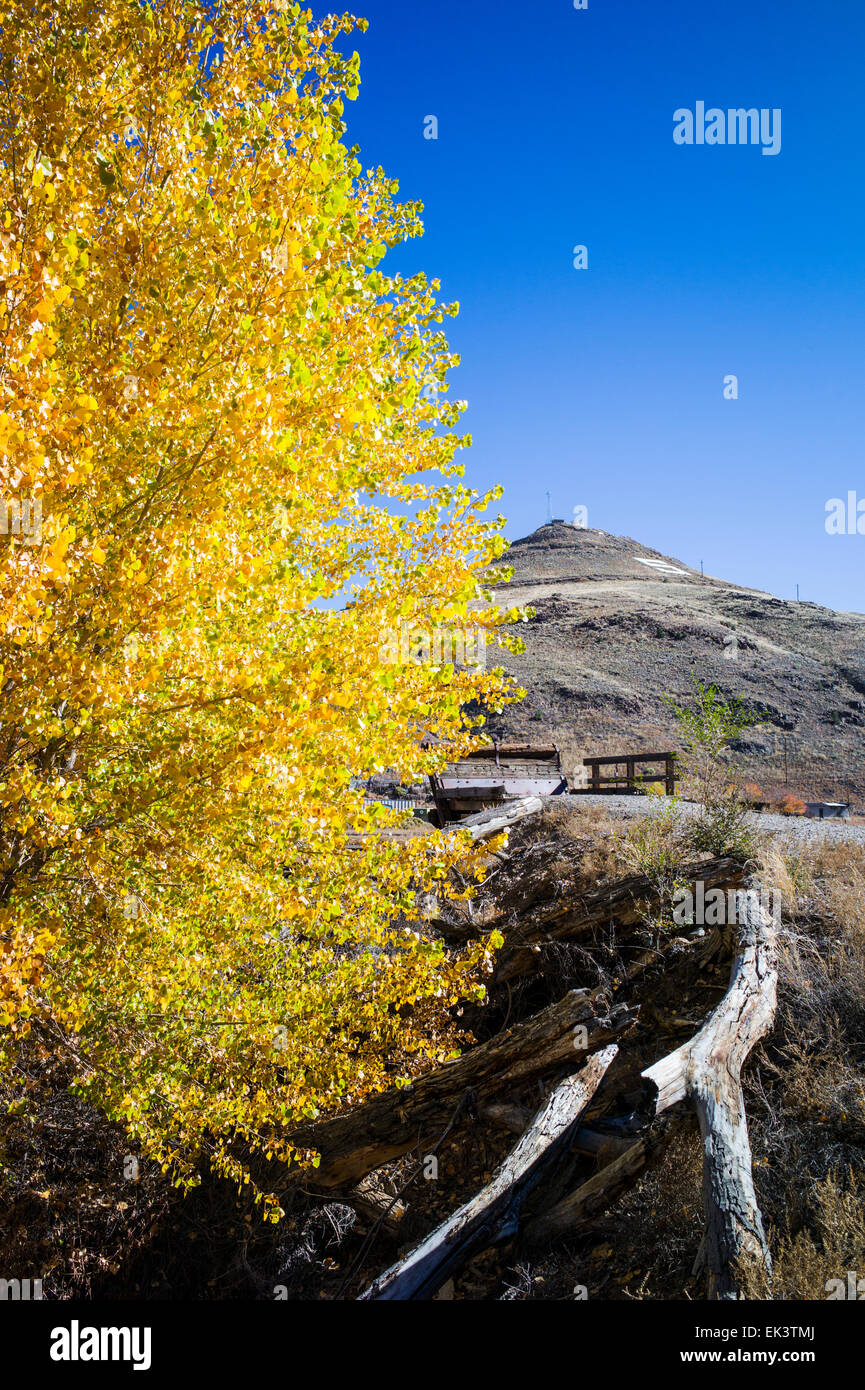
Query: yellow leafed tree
x=229, y=490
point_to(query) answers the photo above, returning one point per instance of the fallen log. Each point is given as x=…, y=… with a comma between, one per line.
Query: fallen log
x=485, y=824
x=575, y=914
x=604, y=1147
x=706, y=1073
x=395, y=1121
x=494, y=1214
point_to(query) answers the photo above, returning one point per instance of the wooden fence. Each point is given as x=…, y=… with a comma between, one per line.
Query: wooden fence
x=629, y=781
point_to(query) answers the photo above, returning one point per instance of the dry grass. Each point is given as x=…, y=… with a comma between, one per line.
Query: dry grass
x=662, y=1222
x=597, y=836
x=814, y=1264
x=806, y=1092
x=805, y=1095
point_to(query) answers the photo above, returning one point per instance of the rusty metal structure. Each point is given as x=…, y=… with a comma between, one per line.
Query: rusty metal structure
x=495, y=774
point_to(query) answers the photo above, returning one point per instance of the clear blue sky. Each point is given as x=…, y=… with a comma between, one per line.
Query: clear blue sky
x=605, y=385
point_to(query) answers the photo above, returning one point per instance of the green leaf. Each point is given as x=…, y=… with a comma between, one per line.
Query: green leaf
x=107, y=176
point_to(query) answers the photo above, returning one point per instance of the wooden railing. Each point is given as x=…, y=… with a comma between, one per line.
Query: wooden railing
x=630, y=781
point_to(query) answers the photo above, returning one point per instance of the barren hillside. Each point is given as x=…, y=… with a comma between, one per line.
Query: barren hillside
x=618, y=625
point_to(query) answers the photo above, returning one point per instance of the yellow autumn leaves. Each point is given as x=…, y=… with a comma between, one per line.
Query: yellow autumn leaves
x=216, y=398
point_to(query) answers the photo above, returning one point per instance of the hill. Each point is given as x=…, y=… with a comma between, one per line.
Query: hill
x=617, y=626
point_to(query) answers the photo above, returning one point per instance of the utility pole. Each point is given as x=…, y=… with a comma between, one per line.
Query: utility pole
x=797, y=593
x=549, y=509
x=701, y=569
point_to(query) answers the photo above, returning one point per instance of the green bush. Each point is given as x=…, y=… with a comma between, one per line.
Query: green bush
x=708, y=726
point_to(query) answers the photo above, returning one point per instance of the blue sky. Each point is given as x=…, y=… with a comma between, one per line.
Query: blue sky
x=605, y=385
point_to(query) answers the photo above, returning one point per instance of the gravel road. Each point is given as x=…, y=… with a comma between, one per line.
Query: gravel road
x=793, y=828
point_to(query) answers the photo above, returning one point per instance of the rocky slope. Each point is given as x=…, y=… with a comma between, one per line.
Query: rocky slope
x=617, y=626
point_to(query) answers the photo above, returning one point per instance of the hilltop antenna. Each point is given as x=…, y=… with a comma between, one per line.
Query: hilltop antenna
x=549, y=509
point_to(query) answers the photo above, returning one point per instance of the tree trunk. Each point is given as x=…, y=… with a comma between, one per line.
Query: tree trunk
x=494, y=1214
x=706, y=1072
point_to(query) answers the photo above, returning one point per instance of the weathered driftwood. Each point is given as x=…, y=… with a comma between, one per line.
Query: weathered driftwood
x=575, y=914
x=706, y=1072
x=390, y=1124
x=494, y=1214
x=488, y=823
